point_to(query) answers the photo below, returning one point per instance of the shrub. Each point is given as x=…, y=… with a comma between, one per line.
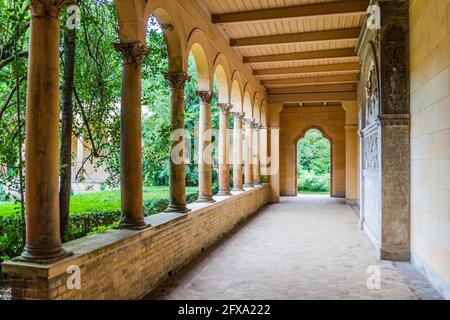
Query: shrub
x=80, y=224
x=310, y=182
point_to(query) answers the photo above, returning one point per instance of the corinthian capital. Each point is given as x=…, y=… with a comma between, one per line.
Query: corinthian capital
x=132, y=52
x=239, y=115
x=225, y=108
x=51, y=8
x=177, y=79
x=205, y=96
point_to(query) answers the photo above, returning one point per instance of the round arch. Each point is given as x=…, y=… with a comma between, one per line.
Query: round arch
x=326, y=136
x=236, y=97
x=221, y=73
x=198, y=46
x=247, y=105
x=257, y=108
x=173, y=30
x=264, y=113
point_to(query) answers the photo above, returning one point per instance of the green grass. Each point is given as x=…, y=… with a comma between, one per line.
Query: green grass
x=313, y=193
x=103, y=201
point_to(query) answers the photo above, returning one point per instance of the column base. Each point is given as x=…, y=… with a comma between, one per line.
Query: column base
x=248, y=185
x=205, y=199
x=133, y=226
x=395, y=254
x=43, y=256
x=257, y=184
x=238, y=189
x=177, y=209
x=224, y=193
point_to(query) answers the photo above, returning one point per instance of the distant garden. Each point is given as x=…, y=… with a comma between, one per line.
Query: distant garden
x=314, y=163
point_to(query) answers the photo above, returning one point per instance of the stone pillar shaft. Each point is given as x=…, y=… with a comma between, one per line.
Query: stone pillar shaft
x=43, y=241
x=177, y=200
x=237, y=151
x=131, y=135
x=205, y=148
x=224, y=164
x=248, y=169
x=256, y=155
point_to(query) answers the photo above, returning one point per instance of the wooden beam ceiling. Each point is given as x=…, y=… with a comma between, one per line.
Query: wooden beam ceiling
x=326, y=35
x=313, y=97
x=338, y=87
x=308, y=55
x=305, y=11
x=335, y=67
x=311, y=80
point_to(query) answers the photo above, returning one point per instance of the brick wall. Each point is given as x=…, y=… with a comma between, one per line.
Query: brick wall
x=124, y=264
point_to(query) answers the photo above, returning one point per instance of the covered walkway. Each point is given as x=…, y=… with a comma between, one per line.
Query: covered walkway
x=308, y=247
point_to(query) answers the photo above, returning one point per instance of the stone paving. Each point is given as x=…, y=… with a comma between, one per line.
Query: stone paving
x=308, y=247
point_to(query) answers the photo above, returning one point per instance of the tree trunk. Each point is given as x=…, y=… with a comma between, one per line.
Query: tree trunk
x=66, y=129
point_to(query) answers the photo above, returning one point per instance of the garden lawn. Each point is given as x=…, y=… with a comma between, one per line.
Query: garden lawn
x=102, y=201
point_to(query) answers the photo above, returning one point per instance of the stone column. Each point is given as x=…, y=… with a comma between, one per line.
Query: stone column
x=43, y=241
x=177, y=201
x=248, y=153
x=205, y=148
x=131, y=135
x=256, y=154
x=263, y=153
x=237, y=153
x=224, y=164
x=351, y=151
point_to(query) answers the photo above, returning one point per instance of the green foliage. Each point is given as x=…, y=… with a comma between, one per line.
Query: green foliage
x=313, y=156
x=312, y=182
x=92, y=213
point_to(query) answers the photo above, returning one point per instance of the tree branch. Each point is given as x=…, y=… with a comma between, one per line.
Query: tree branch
x=8, y=60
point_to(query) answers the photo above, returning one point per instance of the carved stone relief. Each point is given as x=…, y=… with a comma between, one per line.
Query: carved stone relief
x=394, y=54
x=371, y=152
x=372, y=97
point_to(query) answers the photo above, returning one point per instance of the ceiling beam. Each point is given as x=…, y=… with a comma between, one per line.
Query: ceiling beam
x=305, y=11
x=313, y=97
x=309, y=55
x=326, y=35
x=338, y=87
x=311, y=80
x=335, y=67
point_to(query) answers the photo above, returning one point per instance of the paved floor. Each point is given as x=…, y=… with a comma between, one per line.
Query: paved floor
x=302, y=248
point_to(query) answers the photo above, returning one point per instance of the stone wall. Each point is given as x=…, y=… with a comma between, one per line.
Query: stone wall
x=293, y=122
x=124, y=264
x=430, y=157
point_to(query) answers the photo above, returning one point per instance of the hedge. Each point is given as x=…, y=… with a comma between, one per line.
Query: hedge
x=80, y=225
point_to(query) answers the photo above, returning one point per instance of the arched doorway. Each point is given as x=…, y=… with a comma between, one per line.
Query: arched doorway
x=313, y=160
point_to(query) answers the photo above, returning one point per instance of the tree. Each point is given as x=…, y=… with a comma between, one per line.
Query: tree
x=66, y=129
x=314, y=153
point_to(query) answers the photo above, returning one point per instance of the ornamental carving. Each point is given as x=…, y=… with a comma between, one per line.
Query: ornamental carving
x=132, y=52
x=371, y=152
x=372, y=97
x=50, y=8
x=394, y=53
x=205, y=96
x=225, y=108
x=239, y=116
x=177, y=79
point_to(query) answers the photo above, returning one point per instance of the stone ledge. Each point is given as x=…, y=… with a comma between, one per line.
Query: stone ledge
x=172, y=238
